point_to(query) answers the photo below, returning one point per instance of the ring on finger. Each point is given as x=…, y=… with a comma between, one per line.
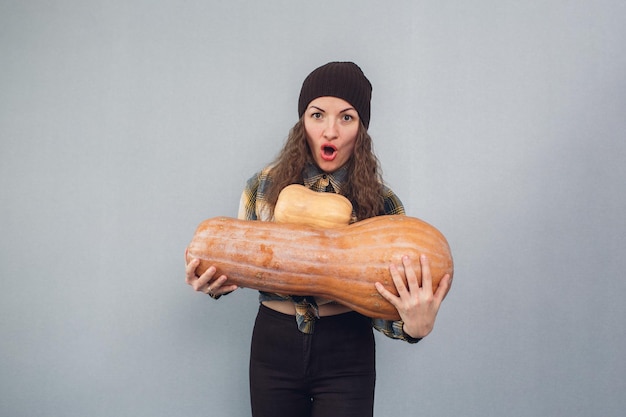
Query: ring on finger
x=212, y=294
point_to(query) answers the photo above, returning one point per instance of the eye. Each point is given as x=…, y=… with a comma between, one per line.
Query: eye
x=347, y=117
x=316, y=115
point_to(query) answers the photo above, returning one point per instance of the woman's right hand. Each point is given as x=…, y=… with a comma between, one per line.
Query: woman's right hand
x=207, y=282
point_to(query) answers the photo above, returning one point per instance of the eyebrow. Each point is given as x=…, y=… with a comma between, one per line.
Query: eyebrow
x=324, y=111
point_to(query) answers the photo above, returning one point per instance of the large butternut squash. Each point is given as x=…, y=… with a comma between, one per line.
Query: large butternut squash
x=340, y=263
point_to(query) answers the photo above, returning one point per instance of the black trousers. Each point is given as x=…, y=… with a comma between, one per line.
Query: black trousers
x=331, y=372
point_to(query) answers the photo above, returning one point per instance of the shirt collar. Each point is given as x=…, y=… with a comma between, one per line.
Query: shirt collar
x=315, y=178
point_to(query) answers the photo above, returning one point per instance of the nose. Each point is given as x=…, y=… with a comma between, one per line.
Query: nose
x=330, y=131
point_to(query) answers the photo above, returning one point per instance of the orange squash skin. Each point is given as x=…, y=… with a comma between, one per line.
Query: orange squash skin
x=298, y=204
x=341, y=263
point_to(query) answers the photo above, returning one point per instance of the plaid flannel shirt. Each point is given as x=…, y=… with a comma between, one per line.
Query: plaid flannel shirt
x=253, y=206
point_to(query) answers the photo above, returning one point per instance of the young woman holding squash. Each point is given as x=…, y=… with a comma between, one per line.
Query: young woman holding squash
x=314, y=357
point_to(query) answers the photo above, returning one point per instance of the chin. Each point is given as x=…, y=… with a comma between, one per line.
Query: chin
x=328, y=167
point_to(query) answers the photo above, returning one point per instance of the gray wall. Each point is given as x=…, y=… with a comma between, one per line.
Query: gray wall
x=124, y=124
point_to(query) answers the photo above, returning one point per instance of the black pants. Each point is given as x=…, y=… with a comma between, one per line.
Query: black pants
x=331, y=372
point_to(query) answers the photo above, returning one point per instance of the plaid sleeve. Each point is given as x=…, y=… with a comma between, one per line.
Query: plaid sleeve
x=393, y=329
x=247, y=203
x=393, y=205
x=390, y=328
x=252, y=204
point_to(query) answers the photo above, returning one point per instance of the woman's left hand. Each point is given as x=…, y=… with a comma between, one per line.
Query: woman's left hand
x=417, y=305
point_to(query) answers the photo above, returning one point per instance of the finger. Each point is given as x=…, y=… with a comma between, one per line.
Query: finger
x=217, y=287
x=427, y=280
x=444, y=287
x=398, y=280
x=203, y=280
x=190, y=270
x=411, y=276
x=228, y=288
x=388, y=295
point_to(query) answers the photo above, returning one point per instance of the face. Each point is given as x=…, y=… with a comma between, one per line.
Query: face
x=331, y=126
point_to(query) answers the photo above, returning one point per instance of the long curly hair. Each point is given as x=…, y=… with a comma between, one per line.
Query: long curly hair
x=364, y=187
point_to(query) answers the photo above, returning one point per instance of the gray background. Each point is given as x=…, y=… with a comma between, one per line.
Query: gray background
x=125, y=123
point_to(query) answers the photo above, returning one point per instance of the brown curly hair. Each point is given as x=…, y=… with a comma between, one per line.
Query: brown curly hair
x=364, y=187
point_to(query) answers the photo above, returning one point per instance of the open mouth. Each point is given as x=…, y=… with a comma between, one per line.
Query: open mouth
x=329, y=152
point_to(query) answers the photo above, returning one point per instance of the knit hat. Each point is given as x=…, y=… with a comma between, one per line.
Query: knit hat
x=344, y=80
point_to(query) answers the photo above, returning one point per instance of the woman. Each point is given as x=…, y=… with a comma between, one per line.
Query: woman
x=312, y=357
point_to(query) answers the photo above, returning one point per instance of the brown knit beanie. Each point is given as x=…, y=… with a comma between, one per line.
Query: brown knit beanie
x=344, y=80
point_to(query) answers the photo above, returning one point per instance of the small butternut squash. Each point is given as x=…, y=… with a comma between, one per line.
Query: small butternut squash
x=298, y=204
x=341, y=263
